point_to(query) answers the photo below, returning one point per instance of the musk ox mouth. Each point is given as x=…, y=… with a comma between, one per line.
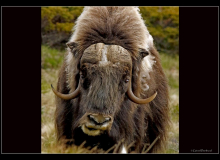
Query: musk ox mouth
x=94, y=124
x=92, y=131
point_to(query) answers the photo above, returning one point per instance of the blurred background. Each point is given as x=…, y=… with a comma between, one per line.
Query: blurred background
x=56, y=29
x=162, y=23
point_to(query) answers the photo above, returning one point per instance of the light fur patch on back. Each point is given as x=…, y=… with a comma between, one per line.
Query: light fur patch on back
x=145, y=87
x=70, y=68
x=149, y=41
x=147, y=66
x=69, y=59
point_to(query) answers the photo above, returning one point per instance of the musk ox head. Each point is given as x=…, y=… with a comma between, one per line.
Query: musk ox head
x=105, y=79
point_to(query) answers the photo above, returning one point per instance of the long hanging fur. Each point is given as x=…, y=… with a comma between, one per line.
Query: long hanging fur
x=140, y=124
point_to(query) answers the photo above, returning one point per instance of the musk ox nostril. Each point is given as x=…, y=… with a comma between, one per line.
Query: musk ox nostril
x=98, y=119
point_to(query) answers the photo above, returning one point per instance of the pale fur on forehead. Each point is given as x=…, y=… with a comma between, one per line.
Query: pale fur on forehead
x=142, y=40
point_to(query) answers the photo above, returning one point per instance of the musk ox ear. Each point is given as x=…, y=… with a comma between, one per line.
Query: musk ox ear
x=143, y=52
x=72, y=46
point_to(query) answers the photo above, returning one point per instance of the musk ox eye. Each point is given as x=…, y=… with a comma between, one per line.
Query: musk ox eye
x=82, y=76
x=126, y=80
x=83, y=72
x=86, y=83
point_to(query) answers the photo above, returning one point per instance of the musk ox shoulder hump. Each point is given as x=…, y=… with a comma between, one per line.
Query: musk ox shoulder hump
x=114, y=25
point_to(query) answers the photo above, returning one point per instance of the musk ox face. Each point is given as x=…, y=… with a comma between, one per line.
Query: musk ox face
x=104, y=84
x=104, y=75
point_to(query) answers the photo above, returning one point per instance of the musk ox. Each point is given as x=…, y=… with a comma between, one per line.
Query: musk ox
x=111, y=86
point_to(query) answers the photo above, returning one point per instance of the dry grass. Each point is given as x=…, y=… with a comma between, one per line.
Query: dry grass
x=60, y=148
x=49, y=76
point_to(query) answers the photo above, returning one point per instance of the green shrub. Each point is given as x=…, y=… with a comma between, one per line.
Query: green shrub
x=163, y=25
x=57, y=24
x=59, y=18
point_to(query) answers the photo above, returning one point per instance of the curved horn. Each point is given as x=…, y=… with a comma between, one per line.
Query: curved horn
x=137, y=100
x=67, y=96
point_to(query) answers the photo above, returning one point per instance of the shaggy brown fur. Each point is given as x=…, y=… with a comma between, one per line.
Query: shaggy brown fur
x=133, y=123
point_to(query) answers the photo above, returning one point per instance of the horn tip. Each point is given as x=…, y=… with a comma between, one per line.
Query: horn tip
x=52, y=87
x=155, y=94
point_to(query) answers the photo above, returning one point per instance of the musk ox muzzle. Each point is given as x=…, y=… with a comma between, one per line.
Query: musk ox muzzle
x=95, y=124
